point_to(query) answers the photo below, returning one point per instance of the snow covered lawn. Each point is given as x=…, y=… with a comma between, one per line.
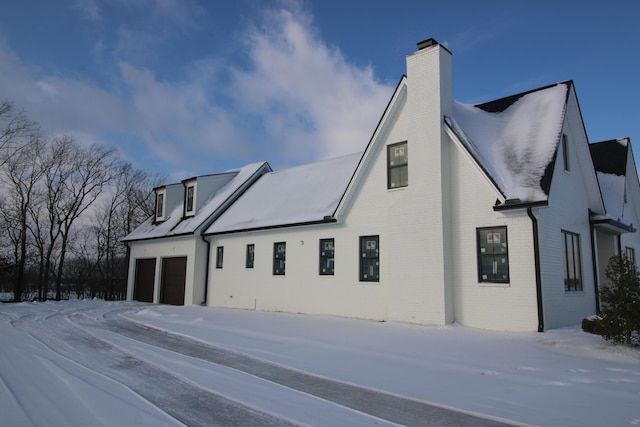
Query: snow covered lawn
x=67, y=363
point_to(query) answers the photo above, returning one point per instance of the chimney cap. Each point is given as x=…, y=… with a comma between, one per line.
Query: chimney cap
x=427, y=43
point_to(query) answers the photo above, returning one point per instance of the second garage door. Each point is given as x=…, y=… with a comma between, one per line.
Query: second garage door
x=174, y=271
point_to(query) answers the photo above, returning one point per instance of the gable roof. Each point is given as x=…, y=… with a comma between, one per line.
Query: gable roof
x=515, y=139
x=299, y=195
x=232, y=184
x=610, y=162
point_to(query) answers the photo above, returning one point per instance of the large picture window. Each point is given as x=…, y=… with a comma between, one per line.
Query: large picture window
x=572, y=261
x=397, y=165
x=493, y=255
x=369, y=259
x=326, y=257
x=279, y=258
x=251, y=249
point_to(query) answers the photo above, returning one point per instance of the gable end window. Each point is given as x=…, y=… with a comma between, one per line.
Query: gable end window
x=493, y=255
x=219, y=256
x=397, y=165
x=369, y=259
x=572, y=261
x=189, y=208
x=279, y=258
x=251, y=248
x=326, y=257
x=565, y=152
x=160, y=206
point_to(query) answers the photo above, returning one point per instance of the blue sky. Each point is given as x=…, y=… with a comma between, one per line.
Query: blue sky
x=186, y=87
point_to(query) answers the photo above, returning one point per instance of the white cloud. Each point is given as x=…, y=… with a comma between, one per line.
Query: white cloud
x=310, y=97
x=297, y=101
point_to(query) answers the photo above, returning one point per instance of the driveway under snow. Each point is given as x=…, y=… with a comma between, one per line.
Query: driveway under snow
x=98, y=363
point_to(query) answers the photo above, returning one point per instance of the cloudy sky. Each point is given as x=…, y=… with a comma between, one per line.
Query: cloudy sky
x=187, y=87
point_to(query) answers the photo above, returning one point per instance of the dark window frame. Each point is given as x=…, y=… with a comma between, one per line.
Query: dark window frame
x=492, y=255
x=279, y=258
x=393, y=167
x=369, y=254
x=327, y=257
x=219, y=256
x=566, y=162
x=250, y=257
x=160, y=205
x=630, y=253
x=572, y=261
x=189, y=205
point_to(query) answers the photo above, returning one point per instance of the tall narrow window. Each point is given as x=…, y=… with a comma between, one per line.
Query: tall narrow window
x=326, y=257
x=279, y=258
x=397, y=165
x=189, y=207
x=631, y=254
x=251, y=248
x=159, y=206
x=572, y=261
x=493, y=255
x=369, y=259
x=219, y=256
x=565, y=152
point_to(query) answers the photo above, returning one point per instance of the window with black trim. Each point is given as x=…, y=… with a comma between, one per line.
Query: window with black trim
x=326, y=257
x=369, y=259
x=493, y=254
x=572, y=261
x=397, y=165
x=219, y=256
x=631, y=254
x=279, y=258
x=251, y=249
x=189, y=204
x=159, y=206
x=565, y=152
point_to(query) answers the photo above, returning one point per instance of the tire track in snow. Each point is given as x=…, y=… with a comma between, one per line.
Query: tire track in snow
x=185, y=402
x=382, y=405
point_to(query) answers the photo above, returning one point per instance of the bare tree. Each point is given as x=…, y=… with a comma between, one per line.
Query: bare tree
x=22, y=174
x=127, y=203
x=74, y=178
x=14, y=128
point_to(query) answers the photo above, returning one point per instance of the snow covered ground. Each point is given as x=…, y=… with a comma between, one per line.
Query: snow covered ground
x=113, y=364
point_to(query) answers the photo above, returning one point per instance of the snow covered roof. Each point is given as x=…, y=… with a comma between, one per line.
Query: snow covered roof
x=515, y=139
x=175, y=224
x=610, y=162
x=298, y=195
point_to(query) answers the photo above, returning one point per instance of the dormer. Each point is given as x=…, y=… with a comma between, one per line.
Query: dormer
x=190, y=197
x=167, y=196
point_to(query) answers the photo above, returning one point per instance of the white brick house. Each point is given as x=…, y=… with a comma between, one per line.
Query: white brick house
x=492, y=215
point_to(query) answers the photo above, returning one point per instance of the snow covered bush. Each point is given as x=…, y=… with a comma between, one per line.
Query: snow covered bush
x=620, y=297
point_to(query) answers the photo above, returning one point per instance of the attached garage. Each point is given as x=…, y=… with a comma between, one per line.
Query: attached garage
x=174, y=272
x=144, y=279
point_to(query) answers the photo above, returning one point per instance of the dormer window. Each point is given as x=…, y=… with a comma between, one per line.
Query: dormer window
x=190, y=199
x=160, y=200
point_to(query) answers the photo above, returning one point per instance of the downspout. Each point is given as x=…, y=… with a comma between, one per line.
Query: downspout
x=594, y=261
x=536, y=255
x=206, y=271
